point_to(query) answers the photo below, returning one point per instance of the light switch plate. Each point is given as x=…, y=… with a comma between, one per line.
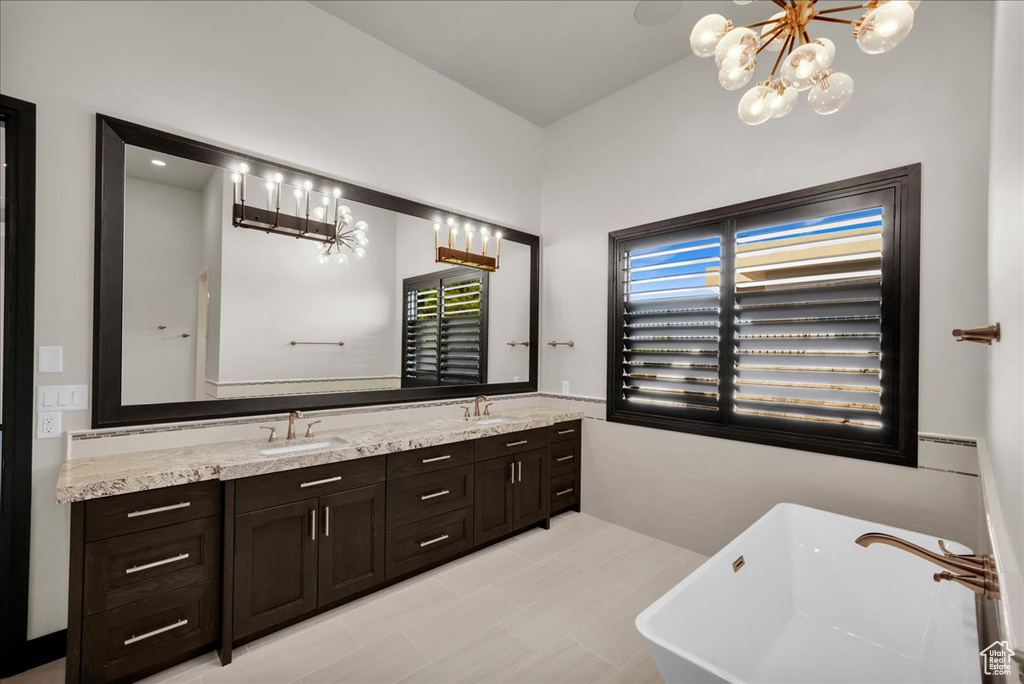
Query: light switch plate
x=565, y=387
x=47, y=424
x=62, y=398
x=51, y=359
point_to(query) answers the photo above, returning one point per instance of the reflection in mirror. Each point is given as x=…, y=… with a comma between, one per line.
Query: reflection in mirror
x=214, y=311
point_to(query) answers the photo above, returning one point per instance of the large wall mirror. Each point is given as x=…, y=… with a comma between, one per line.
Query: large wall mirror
x=231, y=285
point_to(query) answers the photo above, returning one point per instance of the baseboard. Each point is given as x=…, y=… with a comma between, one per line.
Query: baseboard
x=36, y=652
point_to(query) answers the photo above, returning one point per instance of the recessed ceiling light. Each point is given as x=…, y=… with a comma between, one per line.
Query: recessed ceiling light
x=656, y=12
x=157, y=162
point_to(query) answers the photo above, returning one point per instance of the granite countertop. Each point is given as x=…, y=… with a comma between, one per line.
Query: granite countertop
x=97, y=477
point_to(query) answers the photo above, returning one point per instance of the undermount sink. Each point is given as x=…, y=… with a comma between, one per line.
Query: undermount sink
x=305, y=446
x=489, y=420
x=795, y=599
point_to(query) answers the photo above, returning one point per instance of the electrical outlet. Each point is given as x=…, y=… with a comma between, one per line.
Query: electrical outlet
x=565, y=387
x=48, y=424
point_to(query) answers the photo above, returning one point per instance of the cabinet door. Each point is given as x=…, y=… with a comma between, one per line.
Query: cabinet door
x=275, y=565
x=531, y=488
x=351, y=553
x=492, y=502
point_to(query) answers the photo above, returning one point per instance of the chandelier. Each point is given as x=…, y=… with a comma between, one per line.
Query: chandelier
x=806, y=63
x=334, y=237
x=451, y=254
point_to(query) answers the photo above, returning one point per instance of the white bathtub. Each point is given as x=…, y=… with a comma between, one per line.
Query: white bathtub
x=810, y=605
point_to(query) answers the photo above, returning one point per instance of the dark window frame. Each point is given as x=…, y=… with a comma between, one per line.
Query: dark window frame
x=901, y=299
x=437, y=279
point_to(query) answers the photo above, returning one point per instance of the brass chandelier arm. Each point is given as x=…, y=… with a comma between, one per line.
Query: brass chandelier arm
x=778, y=60
x=770, y=38
x=760, y=23
x=844, y=8
x=835, y=20
x=781, y=4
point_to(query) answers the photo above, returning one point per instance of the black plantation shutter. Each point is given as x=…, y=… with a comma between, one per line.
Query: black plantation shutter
x=444, y=336
x=669, y=336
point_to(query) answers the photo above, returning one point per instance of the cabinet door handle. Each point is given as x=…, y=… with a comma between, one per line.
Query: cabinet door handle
x=519, y=466
x=161, y=509
x=156, y=564
x=567, y=432
x=179, y=623
x=563, y=458
x=327, y=521
x=442, y=492
x=314, y=483
x=512, y=474
x=509, y=445
x=312, y=525
x=435, y=459
x=564, y=492
x=428, y=542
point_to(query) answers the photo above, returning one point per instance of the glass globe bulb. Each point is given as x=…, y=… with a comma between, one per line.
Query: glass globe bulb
x=363, y=226
x=739, y=44
x=830, y=49
x=914, y=4
x=735, y=78
x=359, y=252
x=743, y=2
x=831, y=94
x=755, y=105
x=318, y=213
x=804, y=66
x=706, y=34
x=884, y=27
x=768, y=29
x=322, y=258
x=341, y=258
x=346, y=219
x=784, y=102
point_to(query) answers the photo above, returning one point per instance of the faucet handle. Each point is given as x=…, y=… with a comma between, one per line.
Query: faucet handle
x=309, y=428
x=273, y=432
x=465, y=412
x=487, y=408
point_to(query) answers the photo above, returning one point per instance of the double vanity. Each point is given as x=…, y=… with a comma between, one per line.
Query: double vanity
x=176, y=551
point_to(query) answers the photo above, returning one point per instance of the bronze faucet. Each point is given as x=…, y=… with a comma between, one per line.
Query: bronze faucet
x=977, y=573
x=476, y=406
x=291, y=423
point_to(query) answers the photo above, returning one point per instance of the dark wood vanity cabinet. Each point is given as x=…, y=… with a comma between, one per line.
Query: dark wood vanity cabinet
x=160, y=576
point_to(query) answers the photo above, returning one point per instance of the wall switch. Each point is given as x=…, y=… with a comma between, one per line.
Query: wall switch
x=48, y=424
x=51, y=359
x=62, y=398
x=565, y=387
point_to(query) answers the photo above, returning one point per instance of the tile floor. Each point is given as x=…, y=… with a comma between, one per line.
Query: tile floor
x=546, y=606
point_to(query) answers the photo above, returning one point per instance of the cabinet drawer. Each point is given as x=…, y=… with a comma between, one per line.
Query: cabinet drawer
x=430, y=459
x=565, y=457
x=565, y=491
x=416, y=498
x=561, y=432
x=428, y=541
x=264, y=491
x=512, y=443
x=138, y=566
x=127, y=513
x=125, y=643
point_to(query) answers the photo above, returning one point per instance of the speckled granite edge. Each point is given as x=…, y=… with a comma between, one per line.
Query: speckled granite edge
x=101, y=476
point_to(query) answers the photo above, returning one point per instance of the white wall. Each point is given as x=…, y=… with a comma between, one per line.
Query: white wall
x=329, y=98
x=1005, y=429
x=671, y=145
x=162, y=257
x=216, y=215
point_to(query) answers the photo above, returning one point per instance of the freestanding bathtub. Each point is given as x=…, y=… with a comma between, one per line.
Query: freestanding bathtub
x=809, y=605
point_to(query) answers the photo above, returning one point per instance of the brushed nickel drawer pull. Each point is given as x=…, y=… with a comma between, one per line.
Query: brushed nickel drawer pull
x=564, y=492
x=327, y=521
x=563, y=458
x=509, y=445
x=436, y=459
x=156, y=564
x=179, y=623
x=442, y=492
x=433, y=541
x=567, y=432
x=314, y=483
x=312, y=525
x=520, y=467
x=161, y=509
x=512, y=475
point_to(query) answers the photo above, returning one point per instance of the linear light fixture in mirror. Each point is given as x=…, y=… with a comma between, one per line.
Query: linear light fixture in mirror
x=198, y=316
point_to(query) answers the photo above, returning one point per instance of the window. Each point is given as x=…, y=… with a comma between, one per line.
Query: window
x=444, y=335
x=789, y=321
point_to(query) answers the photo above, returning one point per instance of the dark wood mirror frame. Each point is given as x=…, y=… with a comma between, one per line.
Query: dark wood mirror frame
x=111, y=137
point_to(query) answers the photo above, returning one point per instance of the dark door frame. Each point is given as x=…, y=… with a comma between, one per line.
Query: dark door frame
x=17, y=653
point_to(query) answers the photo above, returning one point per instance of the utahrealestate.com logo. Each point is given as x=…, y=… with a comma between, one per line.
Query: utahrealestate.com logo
x=997, y=658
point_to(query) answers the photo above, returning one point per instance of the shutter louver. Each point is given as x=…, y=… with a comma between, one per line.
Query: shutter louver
x=808, y=323
x=461, y=326
x=670, y=331
x=421, y=348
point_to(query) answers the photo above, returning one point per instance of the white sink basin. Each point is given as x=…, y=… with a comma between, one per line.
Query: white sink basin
x=490, y=420
x=811, y=606
x=305, y=446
